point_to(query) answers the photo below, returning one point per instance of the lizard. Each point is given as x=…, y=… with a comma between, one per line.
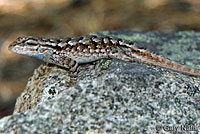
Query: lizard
x=73, y=51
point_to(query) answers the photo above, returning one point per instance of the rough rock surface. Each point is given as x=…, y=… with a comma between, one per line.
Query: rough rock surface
x=113, y=96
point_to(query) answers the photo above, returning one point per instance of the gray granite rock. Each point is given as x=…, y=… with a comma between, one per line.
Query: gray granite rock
x=113, y=96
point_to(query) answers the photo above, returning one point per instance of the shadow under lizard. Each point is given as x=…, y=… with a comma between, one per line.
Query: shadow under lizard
x=70, y=52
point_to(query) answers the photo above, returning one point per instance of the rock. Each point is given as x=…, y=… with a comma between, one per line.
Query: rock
x=113, y=96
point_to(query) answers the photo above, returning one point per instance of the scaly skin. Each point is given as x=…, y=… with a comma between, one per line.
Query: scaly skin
x=69, y=52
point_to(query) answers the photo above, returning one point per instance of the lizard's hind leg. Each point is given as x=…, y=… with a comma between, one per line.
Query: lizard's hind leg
x=122, y=54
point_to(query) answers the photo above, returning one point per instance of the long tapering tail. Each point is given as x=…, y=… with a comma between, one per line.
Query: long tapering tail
x=131, y=53
x=148, y=57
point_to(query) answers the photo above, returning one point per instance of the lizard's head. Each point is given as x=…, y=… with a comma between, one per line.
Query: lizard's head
x=19, y=42
x=31, y=46
x=25, y=45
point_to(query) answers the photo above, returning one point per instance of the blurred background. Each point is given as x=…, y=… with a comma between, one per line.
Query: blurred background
x=63, y=18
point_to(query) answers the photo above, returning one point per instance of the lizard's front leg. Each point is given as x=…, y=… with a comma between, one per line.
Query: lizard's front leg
x=64, y=61
x=72, y=65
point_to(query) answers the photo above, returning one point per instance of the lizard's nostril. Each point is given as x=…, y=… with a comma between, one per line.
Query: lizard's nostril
x=12, y=45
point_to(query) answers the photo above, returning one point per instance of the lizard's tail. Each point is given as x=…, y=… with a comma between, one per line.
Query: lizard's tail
x=148, y=57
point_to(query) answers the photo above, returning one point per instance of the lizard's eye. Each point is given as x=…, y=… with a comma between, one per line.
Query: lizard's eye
x=119, y=40
x=93, y=36
x=59, y=40
x=80, y=38
x=24, y=42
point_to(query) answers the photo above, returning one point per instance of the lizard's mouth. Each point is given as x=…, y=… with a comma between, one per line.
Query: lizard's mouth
x=16, y=48
x=19, y=49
